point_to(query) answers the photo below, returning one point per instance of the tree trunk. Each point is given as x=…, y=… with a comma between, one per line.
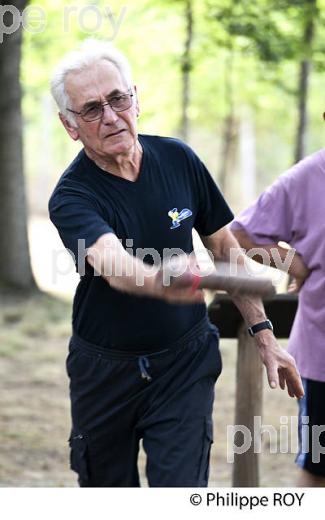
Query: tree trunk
x=186, y=70
x=15, y=268
x=229, y=128
x=304, y=73
x=300, y=151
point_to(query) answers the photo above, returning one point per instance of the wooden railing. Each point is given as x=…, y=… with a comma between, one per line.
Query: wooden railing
x=281, y=310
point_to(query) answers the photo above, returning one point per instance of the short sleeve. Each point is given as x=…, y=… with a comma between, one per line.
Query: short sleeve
x=78, y=221
x=213, y=211
x=270, y=218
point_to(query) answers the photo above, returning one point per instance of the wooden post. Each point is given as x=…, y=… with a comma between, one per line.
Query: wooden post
x=281, y=310
x=249, y=396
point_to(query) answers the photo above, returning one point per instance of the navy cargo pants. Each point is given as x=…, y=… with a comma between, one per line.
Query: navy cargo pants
x=164, y=398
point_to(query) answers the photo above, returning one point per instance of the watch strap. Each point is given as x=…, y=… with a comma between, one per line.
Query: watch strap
x=254, y=329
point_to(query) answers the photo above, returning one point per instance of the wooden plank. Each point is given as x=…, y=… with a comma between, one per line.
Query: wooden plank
x=249, y=396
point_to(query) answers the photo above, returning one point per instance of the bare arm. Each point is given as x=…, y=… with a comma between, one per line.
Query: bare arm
x=280, y=366
x=127, y=273
x=296, y=267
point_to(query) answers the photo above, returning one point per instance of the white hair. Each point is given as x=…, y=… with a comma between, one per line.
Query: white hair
x=91, y=51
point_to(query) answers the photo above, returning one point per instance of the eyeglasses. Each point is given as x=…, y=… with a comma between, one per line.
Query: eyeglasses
x=95, y=110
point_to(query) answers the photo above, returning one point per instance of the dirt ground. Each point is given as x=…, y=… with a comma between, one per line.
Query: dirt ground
x=34, y=405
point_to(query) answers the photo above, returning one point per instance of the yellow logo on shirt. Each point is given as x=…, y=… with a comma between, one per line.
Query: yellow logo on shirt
x=177, y=217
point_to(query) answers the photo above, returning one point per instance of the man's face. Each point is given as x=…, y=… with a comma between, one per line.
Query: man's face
x=116, y=132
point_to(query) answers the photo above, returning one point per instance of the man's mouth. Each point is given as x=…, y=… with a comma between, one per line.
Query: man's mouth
x=114, y=133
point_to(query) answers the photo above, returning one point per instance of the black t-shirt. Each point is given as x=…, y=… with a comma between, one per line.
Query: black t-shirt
x=173, y=193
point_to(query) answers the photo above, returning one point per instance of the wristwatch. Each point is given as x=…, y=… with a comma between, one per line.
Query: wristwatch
x=267, y=324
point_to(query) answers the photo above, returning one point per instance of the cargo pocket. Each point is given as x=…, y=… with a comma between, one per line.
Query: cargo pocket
x=79, y=455
x=205, y=458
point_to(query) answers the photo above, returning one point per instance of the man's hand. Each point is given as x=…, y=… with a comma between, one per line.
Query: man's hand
x=301, y=272
x=280, y=366
x=295, y=285
x=175, y=282
x=181, y=291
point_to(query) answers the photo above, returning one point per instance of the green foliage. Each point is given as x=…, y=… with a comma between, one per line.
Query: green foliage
x=270, y=28
x=255, y=45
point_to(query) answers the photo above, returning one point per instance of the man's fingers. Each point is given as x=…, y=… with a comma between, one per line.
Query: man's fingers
x=272, y=376
x=281, y=370
x=293, y=381
x=293, y=288
x=297, y=388
x=282, y=381
x=290, y=389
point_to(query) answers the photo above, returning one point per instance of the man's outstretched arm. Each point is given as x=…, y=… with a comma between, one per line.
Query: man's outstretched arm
x=129, y=274
x=280, y=366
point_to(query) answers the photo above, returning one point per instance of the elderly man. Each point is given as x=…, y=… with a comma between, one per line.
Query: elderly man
x=143, y=357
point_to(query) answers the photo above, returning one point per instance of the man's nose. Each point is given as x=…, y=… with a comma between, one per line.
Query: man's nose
x=109, y=116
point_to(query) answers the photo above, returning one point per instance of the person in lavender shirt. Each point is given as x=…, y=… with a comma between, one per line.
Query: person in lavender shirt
x=292, y=210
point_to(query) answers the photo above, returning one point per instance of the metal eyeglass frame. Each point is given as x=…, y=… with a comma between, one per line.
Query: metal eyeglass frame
x=82, y=114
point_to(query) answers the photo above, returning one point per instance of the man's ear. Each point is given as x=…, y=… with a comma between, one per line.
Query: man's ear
x=72, y=131
x=137, y=108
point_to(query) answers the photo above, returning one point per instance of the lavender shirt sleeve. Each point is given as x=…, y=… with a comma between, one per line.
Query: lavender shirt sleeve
x=271, y=217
